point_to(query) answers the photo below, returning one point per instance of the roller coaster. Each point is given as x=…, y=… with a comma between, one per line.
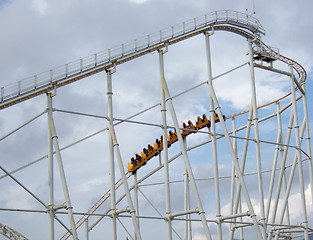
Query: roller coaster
x=152, y=151
x=242, y=211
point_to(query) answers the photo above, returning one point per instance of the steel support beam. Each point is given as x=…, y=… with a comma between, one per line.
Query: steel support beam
x=136, y=189
x=111, y=154
x=237, y=202
x=187, y=226
x=214, y=148
x=257, y=138
x=124, y=179
x=185, y=155
x=274, y=164
x=298, y=143
x=62, y=173
x=234, y=157
x=50, y=172
x=308, y=141
x=165, y=147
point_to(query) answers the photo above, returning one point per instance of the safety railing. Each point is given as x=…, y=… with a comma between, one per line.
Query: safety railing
x=10, y=233
x=89, y=63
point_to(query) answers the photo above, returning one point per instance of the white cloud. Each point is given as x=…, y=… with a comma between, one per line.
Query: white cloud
x=14, y=197
x=90, y=184
x=199, y=236
x=40, y=6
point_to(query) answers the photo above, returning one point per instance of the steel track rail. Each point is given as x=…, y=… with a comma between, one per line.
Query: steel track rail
x=23, y=90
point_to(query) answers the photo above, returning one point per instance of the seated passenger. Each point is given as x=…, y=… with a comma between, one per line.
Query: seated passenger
x=190, y=125
x=199, y=120
x=158, y=142
x=150, y=148
x=133, y=161
x=138, y=158
x=145, y=151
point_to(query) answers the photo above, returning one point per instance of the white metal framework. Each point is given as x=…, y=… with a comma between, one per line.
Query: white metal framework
x=258, y=212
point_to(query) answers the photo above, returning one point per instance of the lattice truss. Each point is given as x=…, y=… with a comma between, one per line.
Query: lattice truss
x=222, y=175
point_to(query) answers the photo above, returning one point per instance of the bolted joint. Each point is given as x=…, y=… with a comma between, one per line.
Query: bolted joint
x=54, y=137
x=208, y=33
x=112, y=69
x=116, y=212
x=161, y=50
x=169, y=216
x=57, y=207
x=262, y=221
x=115, y=145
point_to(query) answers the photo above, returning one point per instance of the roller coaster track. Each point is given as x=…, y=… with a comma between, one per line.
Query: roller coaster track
x=10, y=233
x=236, y=22
x=84, y=67
x=232, y=21
x=302, y=77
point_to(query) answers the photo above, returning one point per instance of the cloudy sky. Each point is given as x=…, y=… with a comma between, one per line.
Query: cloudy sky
x=37, y=35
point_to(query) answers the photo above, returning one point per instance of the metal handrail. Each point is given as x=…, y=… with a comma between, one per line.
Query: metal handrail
x=10, y=233
x=90, y=63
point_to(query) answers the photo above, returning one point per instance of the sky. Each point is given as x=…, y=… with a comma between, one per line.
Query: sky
x=37, y=35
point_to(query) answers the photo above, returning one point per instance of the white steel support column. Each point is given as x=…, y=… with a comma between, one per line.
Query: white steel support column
x=232, y=183
x=308, y=142
x=136, y=198
x=165, y=147
x=242, y=167
x=298, y=144
x=233, y=156
x=284, y=175
x=62, y=173
x=187, y=230
x=111, y=154
x=124, y=179
x=185, y=155
x=86, y=229
x=274, y=164
x=292, y=172
x=256, y=136
x=50, y=171
x=290, y=181
x=281, y=174
x=214, y=149
x=117, y=152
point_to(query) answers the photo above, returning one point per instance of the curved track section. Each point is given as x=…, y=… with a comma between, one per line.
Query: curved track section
x=84, y=67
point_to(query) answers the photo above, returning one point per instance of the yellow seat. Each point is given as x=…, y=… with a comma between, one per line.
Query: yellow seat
x=172, y=137
x=151, y=153
x=204, y=122
x=158, y=146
